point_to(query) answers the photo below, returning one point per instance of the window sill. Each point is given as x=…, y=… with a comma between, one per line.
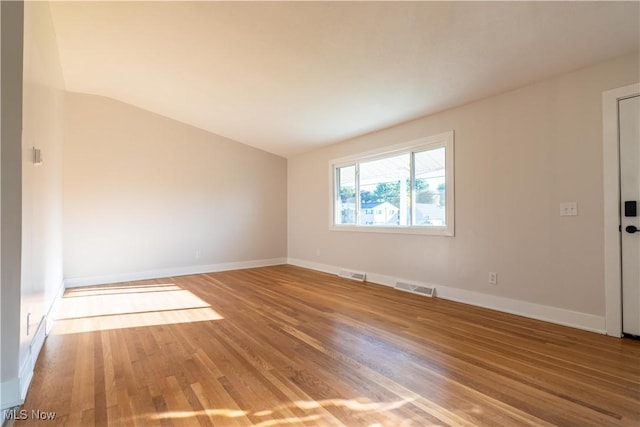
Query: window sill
x=428, y=231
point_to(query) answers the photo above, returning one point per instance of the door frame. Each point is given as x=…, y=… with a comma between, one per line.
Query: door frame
x=611, y=174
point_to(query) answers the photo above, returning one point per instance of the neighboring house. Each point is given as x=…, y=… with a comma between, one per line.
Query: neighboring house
x=379, y=213
x=348, y=213
x=384, y=213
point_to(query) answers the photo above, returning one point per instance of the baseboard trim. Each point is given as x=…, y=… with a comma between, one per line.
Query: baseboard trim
x=26, y=374
x=324, y=268
x=75, y=282
x=29, y=362
x=560, y=316
x=27, y=367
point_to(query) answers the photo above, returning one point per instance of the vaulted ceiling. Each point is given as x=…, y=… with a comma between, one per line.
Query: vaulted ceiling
x=288, y=77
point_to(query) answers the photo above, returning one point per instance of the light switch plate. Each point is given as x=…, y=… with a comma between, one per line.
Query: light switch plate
x=569, y=209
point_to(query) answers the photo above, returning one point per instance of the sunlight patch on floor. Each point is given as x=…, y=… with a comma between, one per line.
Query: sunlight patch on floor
x=354, y=405
x=315, y=411
x=117, y=307
x=229, y=413
x=288, y=420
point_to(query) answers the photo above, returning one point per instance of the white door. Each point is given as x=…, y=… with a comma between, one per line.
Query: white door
x=629, y=128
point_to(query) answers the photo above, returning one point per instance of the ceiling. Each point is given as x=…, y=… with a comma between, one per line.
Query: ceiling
x=288, y=77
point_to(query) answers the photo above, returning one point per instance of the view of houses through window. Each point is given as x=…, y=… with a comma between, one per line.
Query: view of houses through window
x=406, y=189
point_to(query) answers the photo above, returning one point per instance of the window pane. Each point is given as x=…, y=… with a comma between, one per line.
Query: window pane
x=346, y=195
x=385, y=191
x=430, y=188
x=409, y=191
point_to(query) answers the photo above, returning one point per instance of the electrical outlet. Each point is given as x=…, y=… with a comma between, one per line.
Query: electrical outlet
x=493, y=278
x=569, y=209
x=28, y=323
x=198, y=254
x=318, y=252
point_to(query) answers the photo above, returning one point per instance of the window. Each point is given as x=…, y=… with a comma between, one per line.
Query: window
x=407, y=188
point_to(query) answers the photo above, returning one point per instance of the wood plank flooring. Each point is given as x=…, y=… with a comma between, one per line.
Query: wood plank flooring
x=283, y=346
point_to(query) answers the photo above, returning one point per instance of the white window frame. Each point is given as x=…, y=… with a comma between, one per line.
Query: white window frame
x=445, y=139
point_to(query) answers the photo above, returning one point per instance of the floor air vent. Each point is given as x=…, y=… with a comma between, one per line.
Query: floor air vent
x=353, y=275
x=416, y=289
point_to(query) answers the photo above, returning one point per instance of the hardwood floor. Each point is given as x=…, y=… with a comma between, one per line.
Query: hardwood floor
x=287, y=346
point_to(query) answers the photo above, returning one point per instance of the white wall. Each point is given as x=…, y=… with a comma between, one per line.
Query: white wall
x=11, y=50
x=518, y=155
x=43, y=95
x=143, y=194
